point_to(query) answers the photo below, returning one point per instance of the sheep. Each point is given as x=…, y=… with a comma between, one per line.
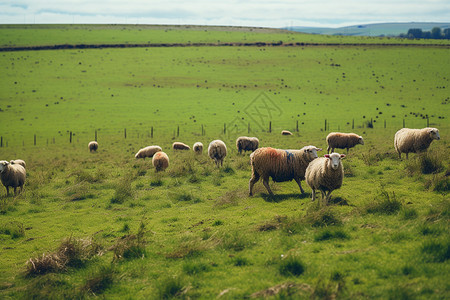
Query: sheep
x=281, y=165
x=93, y=146
x=408, y=140
x=12, y=175
x=198, y=148
x=245, y=143
x=286, y=132
x=180, y=146
x=160, y=161
x=18, y=162
x=343, y=140
x=148, y=151
x=217, y=150
x=325, y=174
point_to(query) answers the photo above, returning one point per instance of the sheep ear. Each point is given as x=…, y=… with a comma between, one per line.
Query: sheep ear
x=327, y=155
x=342, y=155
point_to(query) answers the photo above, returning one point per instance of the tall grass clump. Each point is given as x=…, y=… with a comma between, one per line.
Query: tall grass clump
x=329, y=234
x=425, y=163
x=384, y=203
x=172, y=287
x=131, y=245
x=14, y=229
x=100, y=280
x=291, y=265
x=317, y=216
x=122, y=190
x=436, y=250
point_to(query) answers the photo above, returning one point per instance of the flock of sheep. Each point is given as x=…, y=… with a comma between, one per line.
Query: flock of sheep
x=320, y=173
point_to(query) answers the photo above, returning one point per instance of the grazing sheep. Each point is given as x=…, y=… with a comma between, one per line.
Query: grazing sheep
x=217, y=150
x=18, y=162
x=93, y=146
x=180, y=146
x=245, y=143
x=198, y=148
x=286, y=132
x=281, y=165
x=325, y=174
x=343, y=140
x=148, y=151
x=160, y=161
x=414, y=140
x=12, y=175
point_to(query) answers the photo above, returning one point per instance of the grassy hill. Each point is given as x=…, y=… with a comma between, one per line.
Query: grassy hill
x=382, y=29
x=105, y=224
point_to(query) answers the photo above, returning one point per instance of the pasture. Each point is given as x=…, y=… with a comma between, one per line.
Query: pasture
x=192, y=231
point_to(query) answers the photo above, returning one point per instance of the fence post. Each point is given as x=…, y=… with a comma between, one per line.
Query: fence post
x=1, y=142
x=224, y=128
x=403, y=123
x=70, y=139
x=385, y=124
x=178, y=131
x=95, y=136
x=353, y=124
x=152, y=132
x=325, y=129
x=270, y=126
x=296, y=127
x=35, y=139
x=125, y=133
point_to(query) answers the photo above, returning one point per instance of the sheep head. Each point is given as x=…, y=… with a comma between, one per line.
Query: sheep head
x=434, y=133
x=334, y=159
x=3, y=165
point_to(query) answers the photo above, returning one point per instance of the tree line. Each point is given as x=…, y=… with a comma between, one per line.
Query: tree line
x=435, y=33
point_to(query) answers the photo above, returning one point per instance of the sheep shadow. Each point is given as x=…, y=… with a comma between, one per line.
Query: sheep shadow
x=282, y=197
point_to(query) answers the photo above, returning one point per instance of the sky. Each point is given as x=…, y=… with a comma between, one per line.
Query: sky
x=261, y=13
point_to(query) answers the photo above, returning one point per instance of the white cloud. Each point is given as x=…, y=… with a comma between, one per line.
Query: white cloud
x=267, y=13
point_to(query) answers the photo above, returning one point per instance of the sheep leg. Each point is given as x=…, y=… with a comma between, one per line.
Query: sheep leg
x=323, y=196
x=313, y=194
x=15, y=190
x=299, y=184
x=253, y=180
x=328, y=149
x=7, y=191
x=266, y=184
x=406, y=155
x=328, y=197
x=347, y=150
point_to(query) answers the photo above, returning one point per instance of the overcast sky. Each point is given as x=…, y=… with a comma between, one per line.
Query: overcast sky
x=265, y=13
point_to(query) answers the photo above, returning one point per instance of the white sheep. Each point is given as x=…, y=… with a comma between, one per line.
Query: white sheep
x=343, y=141
x=286, y=132
x=160, y=161
x=148, y=151
x=217, y=150
x=180, y=146
x=198, y=148
x=325, y=174
x=281, y=165
x=12, y=175
x=93, y=146
x=245, y=143
x=414, y=140
x=18, y=162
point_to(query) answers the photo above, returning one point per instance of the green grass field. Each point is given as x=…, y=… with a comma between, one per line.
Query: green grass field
x=107, y=225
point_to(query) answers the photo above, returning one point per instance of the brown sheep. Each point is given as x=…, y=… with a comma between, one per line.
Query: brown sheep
x=414, y=140
x=281, y=165
x=343, y=141
x=12, y=175
x=160, y=161
x=217, y=150
x=93, y=146
x=245, y=143
x=18, y=162
x=180, y=146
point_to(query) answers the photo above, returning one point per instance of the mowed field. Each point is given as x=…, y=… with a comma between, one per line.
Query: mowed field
x=193, y=231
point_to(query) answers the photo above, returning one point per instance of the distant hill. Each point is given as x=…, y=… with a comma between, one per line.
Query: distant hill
x=381, y=29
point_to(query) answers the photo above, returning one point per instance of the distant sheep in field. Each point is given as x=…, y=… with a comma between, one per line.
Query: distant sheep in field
x=180, y=146
x=325, y=174
x=245, y=143
x=414, y=140
x=343, y=141
x=148, y=151
x=281, y=165
x=93, y=146
x=18, y=162
x=12, y=175
x=286, y=132
x=160, y=161
x=198, y=148
x=217, y=150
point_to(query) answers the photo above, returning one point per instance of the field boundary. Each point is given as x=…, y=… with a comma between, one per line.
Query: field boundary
x=237, y=44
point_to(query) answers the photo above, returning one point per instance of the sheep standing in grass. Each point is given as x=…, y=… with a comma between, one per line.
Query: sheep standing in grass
x=18, y=162
x=245, y=143
x=343, y=141
x=148, y=151
x=217, y=150
x=198, y=148
x=160, y=161
x=281, y=165
x=414, y=140
x=93, y=146
x=180, y=146
x=12, y=175
x=286, y=132
x=325, y=174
